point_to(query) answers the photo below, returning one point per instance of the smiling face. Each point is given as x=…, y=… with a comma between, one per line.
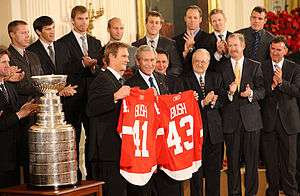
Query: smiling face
x=200, y=61
x=162, y=63
x=120, y=60
x=147, y=62
x=218, y=21
x=278, y=51
x=235, y=47
x=4, y=66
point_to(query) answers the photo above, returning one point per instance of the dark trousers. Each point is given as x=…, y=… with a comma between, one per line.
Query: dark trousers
x=109, y=172
x=163, y=185
x=298, y=162
x=210, y=170
x=280, y=154
x=245, y=143
x=9, y=178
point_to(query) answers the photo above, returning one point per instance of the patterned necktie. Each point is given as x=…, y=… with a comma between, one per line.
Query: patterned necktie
x=152, y=84
x=237, y=74
x=4, y=91
x=255, y=45
x=84, y=45
x=202, y=85
x=51, y=54
x=152, y=43
x=25, y=56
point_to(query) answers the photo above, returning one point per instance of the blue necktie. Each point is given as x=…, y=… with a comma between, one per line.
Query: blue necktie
x=255, y=45
x=152, y=84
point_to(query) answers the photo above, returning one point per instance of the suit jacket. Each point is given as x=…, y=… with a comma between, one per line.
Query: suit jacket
x=168, y=45
x=264, y=44
x=240, y=107
x=9, y=130
x=25, y=88
x=104, y=141
x=295, y=57
x=138, y=81
x=283, y=97
x=77, y=74
x=211, y=117
x=62, y=57
x=201, y=41
x=212, y=45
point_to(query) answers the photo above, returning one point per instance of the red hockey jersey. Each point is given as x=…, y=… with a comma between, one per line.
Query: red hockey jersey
x=181, y=152
x=137, y=127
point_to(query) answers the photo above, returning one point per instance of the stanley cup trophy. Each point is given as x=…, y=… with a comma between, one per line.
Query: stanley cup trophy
x=52, y=144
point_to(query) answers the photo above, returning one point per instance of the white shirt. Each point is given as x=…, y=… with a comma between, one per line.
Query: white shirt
x=155, y=41
x=114, y=72
x=46, y=46
x=146, y=78
x=279, y=64
x=198, y=77
x=78, y=35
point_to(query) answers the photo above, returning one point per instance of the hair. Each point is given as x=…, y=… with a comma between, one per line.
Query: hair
x=111, y=20
x=237, y=35
x=113, y=48
x=78, y=9
x=143, y=48
x=279, y=39
x=194, y=7
x=202, y=50
x=259, y=9
x=154, y=14
x=216, y=11
x=161, y=51
x=41, y=22
x=3, y=51
x=11, y=27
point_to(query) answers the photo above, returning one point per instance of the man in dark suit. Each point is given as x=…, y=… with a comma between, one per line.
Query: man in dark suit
x=257, y=38
x=209, y=86
x=154, y=22
x=84, y=51
x=193, y=38
x=115, y=28
x=145, y=78
x=281, y=119
x=52, y=55
x=10, y=115
x=103, y=108
x=295, y=57
x=30, y=64
x=217, y=39
x=243, y=80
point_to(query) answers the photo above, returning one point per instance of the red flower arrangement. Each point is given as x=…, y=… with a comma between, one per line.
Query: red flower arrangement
x=287, y=24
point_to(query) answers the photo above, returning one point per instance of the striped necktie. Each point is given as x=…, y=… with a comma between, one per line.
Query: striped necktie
x=237, y=74
x=255, y=45
x=4, y=91
x=202, y=85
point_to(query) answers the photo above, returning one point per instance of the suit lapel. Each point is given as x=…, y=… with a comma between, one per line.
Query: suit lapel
x=245, y=74
x=16, y=54
x=162, y=87
x=114, y=80
x=75, y=43
x=287, y=71
x=141, y=80
x=46, y=56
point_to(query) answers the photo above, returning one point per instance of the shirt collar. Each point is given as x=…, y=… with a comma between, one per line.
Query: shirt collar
x=114, y=72
x=20, y=50
x=146, y=77
x=241, y=61
x=279, y=64
x=154, y=39
x=224, y=34
x=46, y=45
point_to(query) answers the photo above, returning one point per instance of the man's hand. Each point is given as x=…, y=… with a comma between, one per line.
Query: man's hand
x=221, y=47
x=209, y=97
x=68, y=91
x=122, y=93
x=214, y=100
x=278, y=75
x=232, y=88
x=196, y=95
x=15, y=74
x=27, y=109
x=247, y=91
x=189, y=42
x=89, y=62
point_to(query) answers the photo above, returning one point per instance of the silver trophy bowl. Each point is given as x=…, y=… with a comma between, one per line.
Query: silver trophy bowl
x=52, y=143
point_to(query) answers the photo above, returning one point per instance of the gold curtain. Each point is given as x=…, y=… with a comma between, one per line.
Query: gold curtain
x=141, y=15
